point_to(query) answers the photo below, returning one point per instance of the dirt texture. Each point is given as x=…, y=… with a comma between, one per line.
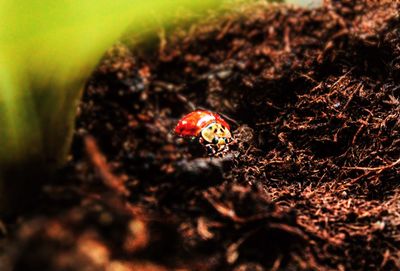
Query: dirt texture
x=312, y=182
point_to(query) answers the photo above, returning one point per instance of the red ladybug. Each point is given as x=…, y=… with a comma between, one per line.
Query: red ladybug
x=208, y=128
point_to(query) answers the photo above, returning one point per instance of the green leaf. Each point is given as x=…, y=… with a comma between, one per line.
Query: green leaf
x=47, y=50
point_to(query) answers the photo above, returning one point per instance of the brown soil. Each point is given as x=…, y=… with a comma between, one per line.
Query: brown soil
x=312, y=183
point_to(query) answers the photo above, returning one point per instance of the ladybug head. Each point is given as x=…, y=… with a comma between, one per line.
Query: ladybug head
x=216, y=134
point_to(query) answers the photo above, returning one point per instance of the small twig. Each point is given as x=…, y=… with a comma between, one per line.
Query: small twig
x=100, y=163
x=228, y=212
x=277, y=263
x=187, y=103
x=223, y=210
x=3, y=228
x=289, y=229
x=286, y=39
x=232, y=253
x=225, y=30
x=381, y=168
x=230, y=119
x=163, y=42
x=342, y=77
x=306, y=76
x=358, y=87
x=363, y=124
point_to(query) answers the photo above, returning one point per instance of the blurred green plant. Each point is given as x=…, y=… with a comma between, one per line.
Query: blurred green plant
x=47, y=50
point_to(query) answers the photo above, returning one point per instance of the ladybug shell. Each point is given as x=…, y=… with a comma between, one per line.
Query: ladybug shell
x=194, y=122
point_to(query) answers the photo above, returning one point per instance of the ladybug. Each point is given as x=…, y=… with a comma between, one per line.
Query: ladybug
x=208, y=128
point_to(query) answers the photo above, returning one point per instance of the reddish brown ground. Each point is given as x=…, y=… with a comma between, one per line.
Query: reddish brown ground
x=313, y=183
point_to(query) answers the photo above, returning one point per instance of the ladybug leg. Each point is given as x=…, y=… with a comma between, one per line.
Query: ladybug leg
x=210, y=150
x=221, y=152
x=233, y=142
x=225, y=150
x=201, y=140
